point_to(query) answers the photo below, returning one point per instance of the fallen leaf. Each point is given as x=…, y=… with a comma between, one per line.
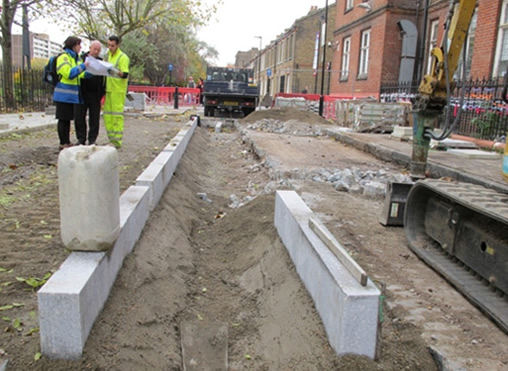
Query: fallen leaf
x=17, y=324
x=248, y=357
x=32, y=331
x=37, y=356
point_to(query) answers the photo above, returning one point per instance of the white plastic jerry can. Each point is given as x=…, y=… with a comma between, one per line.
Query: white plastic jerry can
x=89, y=197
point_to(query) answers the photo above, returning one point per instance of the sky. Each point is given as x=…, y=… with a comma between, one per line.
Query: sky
x=237, y=22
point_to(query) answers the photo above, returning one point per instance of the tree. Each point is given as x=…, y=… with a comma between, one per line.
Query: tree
x=97, y=19
x=178, y=47
x=8, y=10
x=153, y=32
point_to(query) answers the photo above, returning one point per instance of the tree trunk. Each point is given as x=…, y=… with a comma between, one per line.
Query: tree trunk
x=7, y=80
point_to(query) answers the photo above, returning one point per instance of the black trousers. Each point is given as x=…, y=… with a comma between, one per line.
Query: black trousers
x=93, y=106
x=64, y=114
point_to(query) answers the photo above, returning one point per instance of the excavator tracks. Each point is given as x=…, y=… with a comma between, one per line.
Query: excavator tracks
x=461, y=231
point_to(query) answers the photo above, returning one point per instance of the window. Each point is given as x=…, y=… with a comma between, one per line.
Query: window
x=291, y=47
x=349, y=5
x=346, y=50
x=432, y=42
x=364, y=54
x=502, y=43
x=469, y=49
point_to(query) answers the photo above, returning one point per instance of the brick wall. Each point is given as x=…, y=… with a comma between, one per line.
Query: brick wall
x=486, y=37
x=385, y=45
x=386, y=40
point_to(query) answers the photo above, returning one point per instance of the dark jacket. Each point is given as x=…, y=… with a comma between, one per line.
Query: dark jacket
x=92, y=85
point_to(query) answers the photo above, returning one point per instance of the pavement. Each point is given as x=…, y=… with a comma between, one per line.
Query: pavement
x=22, y=122
x=483, y=171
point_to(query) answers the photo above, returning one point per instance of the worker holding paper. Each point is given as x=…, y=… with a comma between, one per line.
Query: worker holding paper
x=116, y=90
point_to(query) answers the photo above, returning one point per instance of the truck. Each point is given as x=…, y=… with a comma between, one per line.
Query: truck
x=459, y=229
x=229, y=90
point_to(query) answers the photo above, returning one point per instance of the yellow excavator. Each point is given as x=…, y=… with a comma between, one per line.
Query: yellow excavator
x=458, y=229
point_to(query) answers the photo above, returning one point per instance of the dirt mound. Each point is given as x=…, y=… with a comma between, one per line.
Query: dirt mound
x=285, y=114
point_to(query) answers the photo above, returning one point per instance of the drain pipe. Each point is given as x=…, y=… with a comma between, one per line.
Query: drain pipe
x=421, y=67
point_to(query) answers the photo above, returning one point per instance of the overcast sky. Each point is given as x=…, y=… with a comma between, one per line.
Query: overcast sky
x=235, y=25
x=237, y=22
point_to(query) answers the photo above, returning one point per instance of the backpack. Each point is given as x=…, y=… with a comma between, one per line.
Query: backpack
x=50, y=75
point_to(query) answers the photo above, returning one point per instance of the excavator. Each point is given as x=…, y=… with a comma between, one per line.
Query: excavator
x=459, y=229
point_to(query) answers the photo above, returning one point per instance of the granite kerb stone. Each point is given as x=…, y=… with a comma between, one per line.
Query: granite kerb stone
x=73, y=297
x=348, y=310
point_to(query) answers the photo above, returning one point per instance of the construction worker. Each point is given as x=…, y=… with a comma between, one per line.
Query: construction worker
x=116, y=90
x=92, y=91
x=71, y=69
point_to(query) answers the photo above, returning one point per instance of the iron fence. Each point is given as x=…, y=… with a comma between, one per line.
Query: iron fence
x=30, y=93
x=484, y=113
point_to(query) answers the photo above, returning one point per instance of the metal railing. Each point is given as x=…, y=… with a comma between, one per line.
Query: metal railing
x=30, y=93
x=484, y=114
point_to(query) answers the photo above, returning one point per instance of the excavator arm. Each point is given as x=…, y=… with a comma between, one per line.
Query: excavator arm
x=435, y=87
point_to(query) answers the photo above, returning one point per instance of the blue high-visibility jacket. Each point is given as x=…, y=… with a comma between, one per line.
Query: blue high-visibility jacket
x=71, y=69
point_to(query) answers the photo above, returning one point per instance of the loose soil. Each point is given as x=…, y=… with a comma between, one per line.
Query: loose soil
x=201, y=261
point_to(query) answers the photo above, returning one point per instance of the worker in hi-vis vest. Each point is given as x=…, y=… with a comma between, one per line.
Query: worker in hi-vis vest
x=116, y=91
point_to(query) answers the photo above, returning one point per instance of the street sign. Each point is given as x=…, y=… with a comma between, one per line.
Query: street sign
x=269, y=72
x=170, y=67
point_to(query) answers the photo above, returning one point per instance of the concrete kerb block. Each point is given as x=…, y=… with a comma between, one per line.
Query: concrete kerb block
x=157, y=176
x=181, y=140
x=73, y=297
x=348, y=310
x=159, y=173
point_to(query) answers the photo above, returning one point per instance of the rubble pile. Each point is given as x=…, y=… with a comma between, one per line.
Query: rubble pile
x=370, y=183
x=293, y=127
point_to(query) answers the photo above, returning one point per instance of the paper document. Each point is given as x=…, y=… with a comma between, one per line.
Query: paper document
x=100, y=68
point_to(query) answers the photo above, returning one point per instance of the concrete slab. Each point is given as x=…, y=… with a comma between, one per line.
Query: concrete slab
x=136, y=102
x=475, y=153
x=402, y=132
x=204, y=346
x=452, y=143
x=74, y=296
x=349, y=311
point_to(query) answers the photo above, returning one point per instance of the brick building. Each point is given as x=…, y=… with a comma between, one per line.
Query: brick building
x=244, y=59
x=287, y=62
x=377, y=41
